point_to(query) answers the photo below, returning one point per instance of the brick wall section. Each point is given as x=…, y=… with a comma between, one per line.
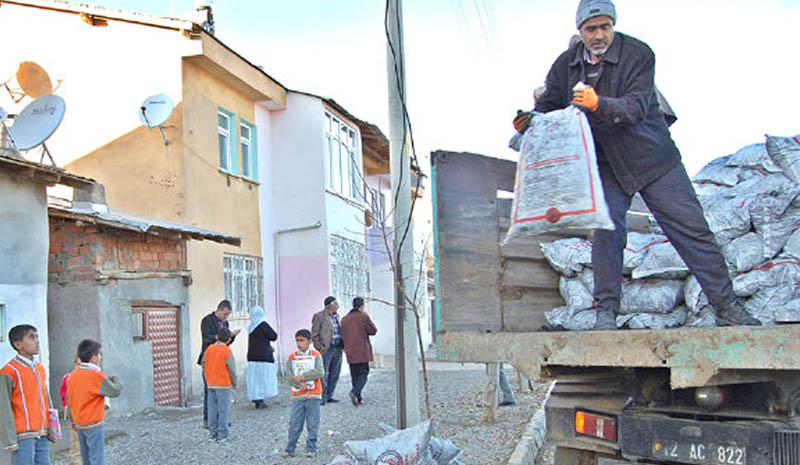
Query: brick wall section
x=79, y=250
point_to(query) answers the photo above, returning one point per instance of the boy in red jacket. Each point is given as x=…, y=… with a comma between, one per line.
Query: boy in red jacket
x=87, y=388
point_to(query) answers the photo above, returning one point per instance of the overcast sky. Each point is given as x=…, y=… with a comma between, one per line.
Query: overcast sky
x=727, y=67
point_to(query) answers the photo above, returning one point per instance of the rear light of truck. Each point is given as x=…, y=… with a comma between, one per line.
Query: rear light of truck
x=596, y=426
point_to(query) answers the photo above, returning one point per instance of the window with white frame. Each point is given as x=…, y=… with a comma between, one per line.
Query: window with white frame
x=3, y=328
x=244, y=283
x=344, y=173
x=247, y=143
x=224, y=138
x=349, y=269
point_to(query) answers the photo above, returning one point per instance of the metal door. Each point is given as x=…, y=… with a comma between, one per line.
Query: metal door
x=161, y=329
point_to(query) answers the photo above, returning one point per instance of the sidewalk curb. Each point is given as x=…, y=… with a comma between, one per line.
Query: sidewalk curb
x=532, y=439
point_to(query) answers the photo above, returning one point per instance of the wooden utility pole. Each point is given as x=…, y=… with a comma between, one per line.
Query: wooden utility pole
x=406, y=354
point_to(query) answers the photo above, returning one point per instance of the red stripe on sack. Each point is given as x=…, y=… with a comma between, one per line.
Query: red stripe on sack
x=647, y=246
x=741, y=205
x=544, y=217
x=588, y=162
x=551, y=161
x=796, y=140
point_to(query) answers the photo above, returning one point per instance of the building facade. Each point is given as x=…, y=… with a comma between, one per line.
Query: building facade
x=203, y=173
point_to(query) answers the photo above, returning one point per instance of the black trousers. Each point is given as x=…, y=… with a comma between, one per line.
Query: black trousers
x=358, y=374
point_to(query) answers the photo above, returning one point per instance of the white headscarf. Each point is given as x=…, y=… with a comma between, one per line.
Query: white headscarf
x=256, y=318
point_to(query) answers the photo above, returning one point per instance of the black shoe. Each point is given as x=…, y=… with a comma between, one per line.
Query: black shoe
x=734, y=314
x=605, y=320
x=260, y=404
x=332, y=400
x=506, y=403
x=354, y=399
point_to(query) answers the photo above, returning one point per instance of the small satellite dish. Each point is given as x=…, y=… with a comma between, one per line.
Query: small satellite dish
x=37, y=122
x=31, y=80
x=155, y=110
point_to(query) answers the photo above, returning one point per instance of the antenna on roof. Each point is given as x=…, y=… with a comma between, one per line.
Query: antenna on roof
x=205, y=15
x=155, y=111
x=30, y=79
x=36, y=123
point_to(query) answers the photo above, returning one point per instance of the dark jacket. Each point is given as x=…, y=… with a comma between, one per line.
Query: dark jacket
x=356, y=328
x=322, y=331
x=258, y=346
x=628, y=125
x=208, y=330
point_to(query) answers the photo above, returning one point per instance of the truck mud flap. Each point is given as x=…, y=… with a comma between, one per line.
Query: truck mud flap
x=661, y=438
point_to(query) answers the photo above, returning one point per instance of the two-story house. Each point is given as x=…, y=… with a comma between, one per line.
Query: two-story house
x=204, y=172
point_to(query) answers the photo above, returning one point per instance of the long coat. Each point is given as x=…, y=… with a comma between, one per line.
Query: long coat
x=356, y=329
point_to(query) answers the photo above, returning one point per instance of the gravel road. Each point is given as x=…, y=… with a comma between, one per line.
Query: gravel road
x=175, y=436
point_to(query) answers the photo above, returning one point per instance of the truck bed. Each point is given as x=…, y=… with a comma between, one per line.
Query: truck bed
x=491, y=299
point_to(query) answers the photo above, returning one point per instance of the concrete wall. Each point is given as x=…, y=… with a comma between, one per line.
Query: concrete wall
x=298, y=200
x=381, y=275
x=80, y=306
x=382, y=281
x=23, y=260
x=132, y=360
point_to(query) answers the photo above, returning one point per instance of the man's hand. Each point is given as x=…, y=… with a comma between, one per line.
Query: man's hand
x=113, y=378
x=586, y=98
x=297, y=379
x=521, y=122
x=236, y=332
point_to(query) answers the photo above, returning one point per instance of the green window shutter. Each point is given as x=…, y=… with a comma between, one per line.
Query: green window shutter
x=254, y=151
x=233, y=144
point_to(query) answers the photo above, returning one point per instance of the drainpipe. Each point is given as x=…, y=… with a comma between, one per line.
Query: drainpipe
x=275, y=250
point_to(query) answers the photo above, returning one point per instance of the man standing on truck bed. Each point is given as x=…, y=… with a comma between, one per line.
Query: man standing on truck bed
x=635, y=153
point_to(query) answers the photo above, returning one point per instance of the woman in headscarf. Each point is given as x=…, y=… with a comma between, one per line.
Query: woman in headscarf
x=262, y=380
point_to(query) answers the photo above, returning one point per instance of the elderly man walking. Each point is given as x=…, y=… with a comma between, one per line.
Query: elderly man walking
x=327, y=337
x=357, y=327
x=635, y=153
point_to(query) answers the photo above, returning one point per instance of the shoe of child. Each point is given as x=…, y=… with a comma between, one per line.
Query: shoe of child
x=310, y=454
x=354, y=398
x=288, y=454
x=225, y=439
x=212, y=438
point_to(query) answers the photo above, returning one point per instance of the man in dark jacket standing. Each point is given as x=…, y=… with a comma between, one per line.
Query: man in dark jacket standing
x=327, y=337
x=635, y=153
x=209, y=326
x=357, y=327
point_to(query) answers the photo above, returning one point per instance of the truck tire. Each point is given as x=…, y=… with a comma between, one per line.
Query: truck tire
x=569, y=456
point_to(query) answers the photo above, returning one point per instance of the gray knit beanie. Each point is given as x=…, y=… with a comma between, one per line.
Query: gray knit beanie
x=588, y=9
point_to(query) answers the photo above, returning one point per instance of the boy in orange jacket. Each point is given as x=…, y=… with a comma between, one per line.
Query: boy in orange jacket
x=24, y=401
x=219, y=368
x=87, y=388
x=305, y=371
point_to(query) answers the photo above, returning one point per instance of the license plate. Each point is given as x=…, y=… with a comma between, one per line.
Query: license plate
x=699, y=452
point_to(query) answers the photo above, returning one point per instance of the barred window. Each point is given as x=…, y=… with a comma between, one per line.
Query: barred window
x=244, y=283
x=349, y=269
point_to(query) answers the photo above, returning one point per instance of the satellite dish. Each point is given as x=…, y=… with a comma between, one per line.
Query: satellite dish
x=155, y=110
x=30, y=79
x=37, y=122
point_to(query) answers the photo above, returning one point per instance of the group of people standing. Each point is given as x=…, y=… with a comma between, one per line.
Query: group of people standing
x=28, y=418
x=312, y=373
